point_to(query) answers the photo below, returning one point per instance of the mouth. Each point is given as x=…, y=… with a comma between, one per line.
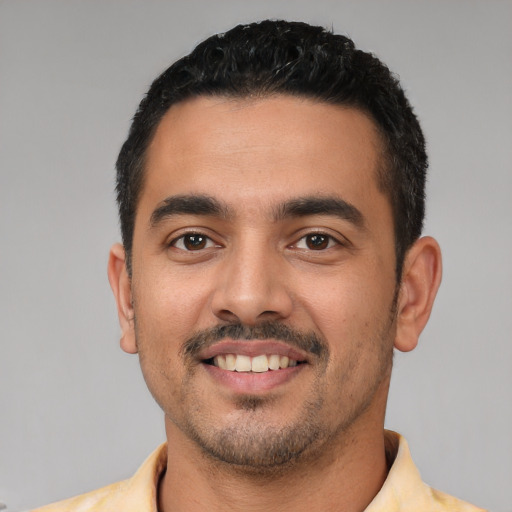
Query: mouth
x=255, y=364
x=252, y=366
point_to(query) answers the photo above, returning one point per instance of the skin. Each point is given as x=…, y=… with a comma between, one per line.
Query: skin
x=315, y=438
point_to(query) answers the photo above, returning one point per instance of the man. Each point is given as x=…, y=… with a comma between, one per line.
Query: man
x=271, y=197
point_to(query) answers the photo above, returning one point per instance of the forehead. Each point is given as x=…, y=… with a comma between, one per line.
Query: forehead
x=258, y=151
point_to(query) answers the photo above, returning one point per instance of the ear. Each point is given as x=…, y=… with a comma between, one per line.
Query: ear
x=121, y=286
x=421, y=277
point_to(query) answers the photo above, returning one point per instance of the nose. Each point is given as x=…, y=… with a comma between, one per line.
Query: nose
x=252, y=286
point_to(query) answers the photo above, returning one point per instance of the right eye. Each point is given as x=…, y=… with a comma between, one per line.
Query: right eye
x=192, y=242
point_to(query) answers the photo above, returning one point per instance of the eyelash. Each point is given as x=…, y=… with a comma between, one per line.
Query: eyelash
x=206, y=242
x=181, y=239
x=324, y=238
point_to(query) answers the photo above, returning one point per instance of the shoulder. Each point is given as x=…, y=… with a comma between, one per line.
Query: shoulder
x=404, y=489
x=137, y=494
x=94, y=501
x=447, y=503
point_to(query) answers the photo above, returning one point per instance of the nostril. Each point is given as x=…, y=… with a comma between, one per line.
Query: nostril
x=269, y=313
x=229, y=316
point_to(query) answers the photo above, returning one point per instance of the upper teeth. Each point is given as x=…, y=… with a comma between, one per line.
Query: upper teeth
x=259, y=364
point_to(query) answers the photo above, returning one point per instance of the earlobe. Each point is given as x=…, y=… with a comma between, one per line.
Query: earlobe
x=121, y=287
x=421, y=278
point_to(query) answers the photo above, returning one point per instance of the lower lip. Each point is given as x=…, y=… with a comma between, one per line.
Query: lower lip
x=252, y=383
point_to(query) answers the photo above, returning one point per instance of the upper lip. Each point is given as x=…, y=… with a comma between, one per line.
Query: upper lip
x=253, y=348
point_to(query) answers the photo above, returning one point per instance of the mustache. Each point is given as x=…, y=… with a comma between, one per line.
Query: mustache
x=308, y=341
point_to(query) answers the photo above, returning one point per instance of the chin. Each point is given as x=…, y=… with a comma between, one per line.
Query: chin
x=255, y=437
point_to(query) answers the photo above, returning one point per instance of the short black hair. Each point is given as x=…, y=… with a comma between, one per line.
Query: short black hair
x=293, y=58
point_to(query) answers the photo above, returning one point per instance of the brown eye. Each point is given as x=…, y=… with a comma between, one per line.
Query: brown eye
x=192, y=242
x=317, y=241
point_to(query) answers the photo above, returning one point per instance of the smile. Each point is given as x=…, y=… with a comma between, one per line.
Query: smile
x=253, y=366
x=257, y=364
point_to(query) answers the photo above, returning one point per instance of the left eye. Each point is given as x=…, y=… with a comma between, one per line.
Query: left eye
x=193, y=242
x=316, y=242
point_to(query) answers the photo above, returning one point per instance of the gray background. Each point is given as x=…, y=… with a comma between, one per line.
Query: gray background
x=74, y=410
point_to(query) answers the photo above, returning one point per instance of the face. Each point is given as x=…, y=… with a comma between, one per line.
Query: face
x=263, y=277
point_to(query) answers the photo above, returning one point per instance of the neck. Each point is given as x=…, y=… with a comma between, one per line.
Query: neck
x=346, y=475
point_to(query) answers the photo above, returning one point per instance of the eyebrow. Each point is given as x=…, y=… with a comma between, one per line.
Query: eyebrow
x=188, y=205
x=314, y=205
x=300, y=207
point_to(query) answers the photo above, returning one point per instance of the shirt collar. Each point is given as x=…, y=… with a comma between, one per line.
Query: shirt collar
x=402, y=491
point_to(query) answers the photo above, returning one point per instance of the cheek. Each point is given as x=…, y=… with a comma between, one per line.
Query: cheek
x=171, y=303
x=336, y=301
x=348, y=306
x=162, y=322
